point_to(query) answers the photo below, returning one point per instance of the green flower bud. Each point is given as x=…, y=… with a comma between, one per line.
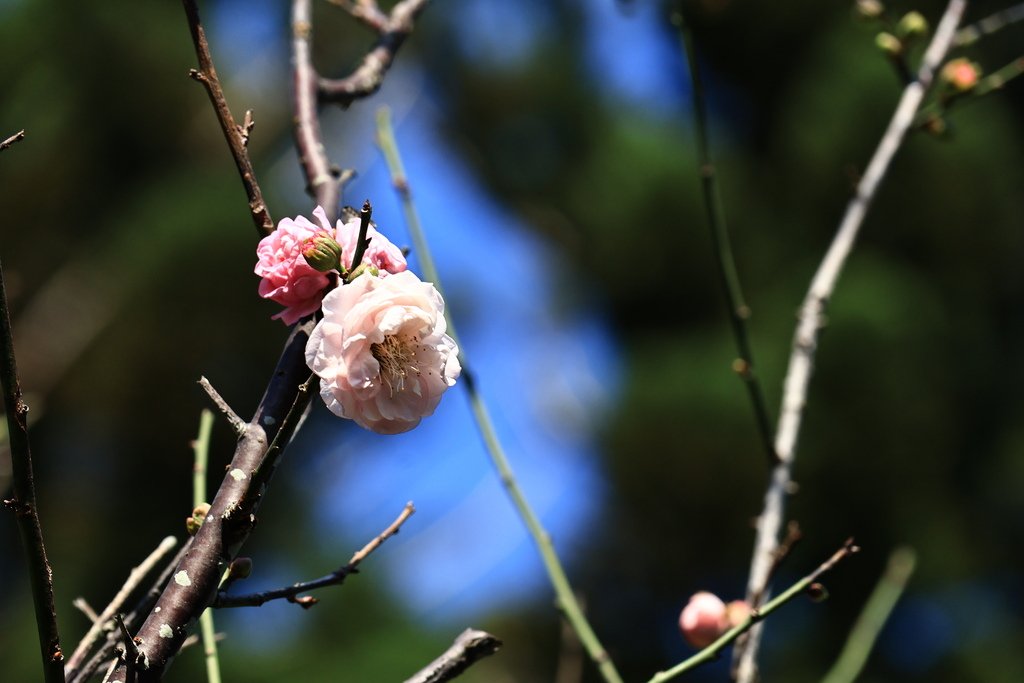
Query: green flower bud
x=889, y=44
x=912, y=26
x=199, y=513
x=323, y=253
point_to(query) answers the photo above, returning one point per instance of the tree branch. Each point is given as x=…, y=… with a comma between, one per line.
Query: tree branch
x=17, y=137
x=236, y=136
x=336, y=577
x=470, y=647
x=23, y=501
x=366, y=79
x=811, y=316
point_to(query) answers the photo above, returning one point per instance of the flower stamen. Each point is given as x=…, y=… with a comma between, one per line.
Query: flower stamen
x=395, y=356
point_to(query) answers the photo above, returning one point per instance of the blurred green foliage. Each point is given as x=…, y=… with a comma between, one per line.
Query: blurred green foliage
x=913, y=433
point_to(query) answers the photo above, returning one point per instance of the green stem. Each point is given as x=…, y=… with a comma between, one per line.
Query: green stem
x=729, y=279
x=564, y=595
x=991, y=83
x=871, y=620
x=712, y=651
x=201, y=451
x=23, y=502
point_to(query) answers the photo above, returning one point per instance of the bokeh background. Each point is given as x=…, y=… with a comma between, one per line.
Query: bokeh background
x=550, y=148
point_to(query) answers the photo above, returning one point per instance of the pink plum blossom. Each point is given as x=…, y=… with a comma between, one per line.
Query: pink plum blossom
x=381, y=352
x=292, y=282
x=287, y=278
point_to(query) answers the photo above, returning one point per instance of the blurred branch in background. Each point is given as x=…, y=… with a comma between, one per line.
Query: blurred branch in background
x=879, y=606
x=201, y=458
x=729, y=279
x=564, y=596
x=471, y=646
x=392, y=30
x=811, y=320
x=989, y=25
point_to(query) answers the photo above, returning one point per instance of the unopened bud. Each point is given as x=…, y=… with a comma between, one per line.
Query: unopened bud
x=912, y=26
x=817, y=592
x=193, y=523
x=703, y=620
x=240, y=568
x=869, y=9
x=736, y=612
x=889, y=44
x=936, y=126
x=322, y=253
x=960, y=75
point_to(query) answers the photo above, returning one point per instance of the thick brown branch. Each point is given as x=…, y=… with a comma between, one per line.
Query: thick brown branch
x=232, y=514
x=23, y=502
x=470, y=647
x=237, y=137
x=367, y=78
x=335, y=578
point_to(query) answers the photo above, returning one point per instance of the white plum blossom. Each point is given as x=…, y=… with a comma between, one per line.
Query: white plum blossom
x=382, y=353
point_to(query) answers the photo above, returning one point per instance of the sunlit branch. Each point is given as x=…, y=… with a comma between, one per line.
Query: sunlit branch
x=237, y=136
x=811, y=319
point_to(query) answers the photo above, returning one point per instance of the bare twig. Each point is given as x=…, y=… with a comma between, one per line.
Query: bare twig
x=366, y=11
x=712, y=651
x=101, y=623
x=335, y=578
x=565, y=598
x=237, y=136
x=871, y=620
x=23, y=502
x=728, y=277
x=989, y=25
x=811, y=315
x=471, y=646
x=83, y=606
x=366, y=79
x=201, y=457
x=132, y=656
x=17, y=137
x=237, y=423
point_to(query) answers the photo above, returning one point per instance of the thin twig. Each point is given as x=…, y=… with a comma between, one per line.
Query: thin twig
x=237, y=423
x=237, y=137
x=729, y=279
x=132, y=656
x=712, y=651
x=23, y=502
x=102, y=622
x=201, y=456
x=366, y=79
x=871, y=620
x=989, y=25
x=335, y=578
x=366, y=11
x=17, y=137
x=811, y=318
x=565, y=597
x=471, y=646
x=361, y=242
x=83, y=606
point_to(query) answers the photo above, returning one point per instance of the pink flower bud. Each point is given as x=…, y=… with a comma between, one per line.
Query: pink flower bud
x=736, y=612
x=960, y=74
x=704, y=619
